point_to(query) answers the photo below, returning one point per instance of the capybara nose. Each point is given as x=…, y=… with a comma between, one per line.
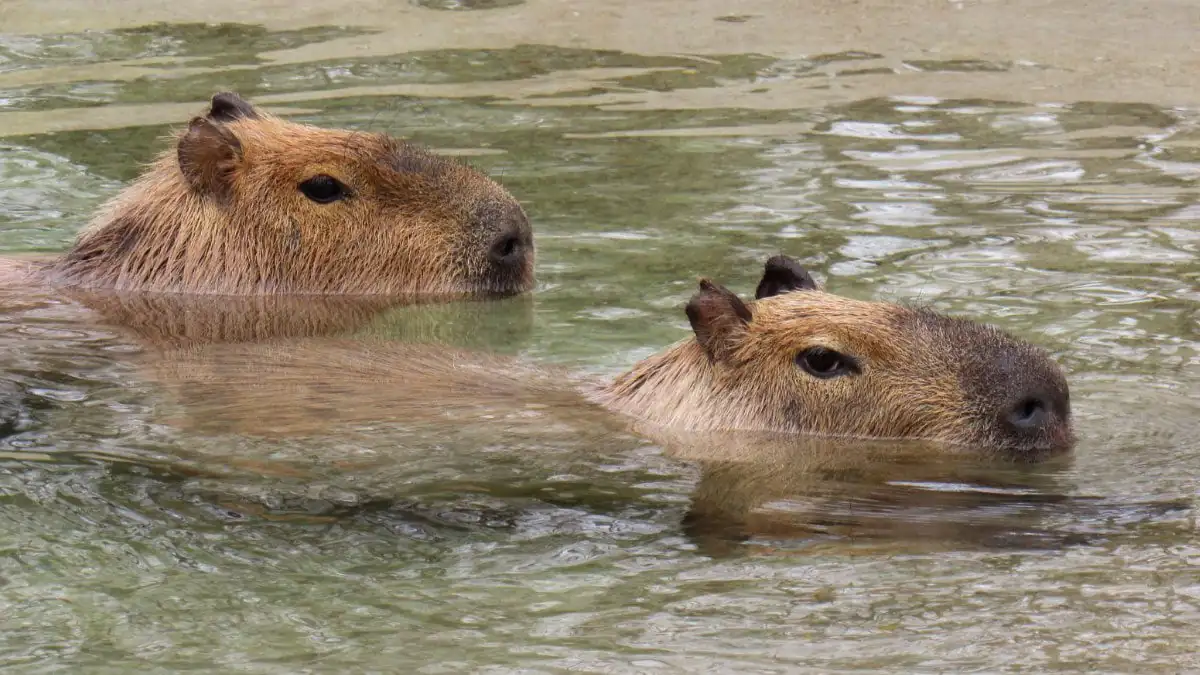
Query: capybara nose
x=510, y=248
x=1020, y=393
x=1037, y=413
x=1029, y=414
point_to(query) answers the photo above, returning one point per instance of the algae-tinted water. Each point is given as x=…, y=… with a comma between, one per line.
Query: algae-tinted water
x=1036, y=169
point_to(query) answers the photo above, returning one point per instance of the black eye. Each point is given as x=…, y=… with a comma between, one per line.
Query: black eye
x=324, y=189
x=825, y=363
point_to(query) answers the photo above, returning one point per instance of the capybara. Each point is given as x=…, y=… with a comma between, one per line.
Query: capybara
x=246, y=203
x=797, y=360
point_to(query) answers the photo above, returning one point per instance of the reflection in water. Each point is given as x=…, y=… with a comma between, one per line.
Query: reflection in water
x=171, y=320
x=115, y=339
x=789, y=491
x=1037, y=174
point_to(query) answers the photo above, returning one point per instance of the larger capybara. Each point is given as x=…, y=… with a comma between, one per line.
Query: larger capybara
x=246, y=203
x=797, y=360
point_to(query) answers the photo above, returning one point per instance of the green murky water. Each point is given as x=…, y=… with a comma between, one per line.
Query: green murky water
x=130, y=544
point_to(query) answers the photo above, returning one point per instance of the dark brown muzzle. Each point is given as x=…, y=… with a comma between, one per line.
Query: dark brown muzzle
x=510, y=257
x=1021, y=397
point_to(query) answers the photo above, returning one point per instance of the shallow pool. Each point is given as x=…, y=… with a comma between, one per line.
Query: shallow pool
x=1034, y=165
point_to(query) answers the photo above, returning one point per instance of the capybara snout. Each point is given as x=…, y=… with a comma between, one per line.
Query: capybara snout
x=505, y=232
x=1021, y=391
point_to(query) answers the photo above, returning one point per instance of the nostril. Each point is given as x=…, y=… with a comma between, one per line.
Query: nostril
x=1030, y=407
x=1029, y=413
x=507, y=248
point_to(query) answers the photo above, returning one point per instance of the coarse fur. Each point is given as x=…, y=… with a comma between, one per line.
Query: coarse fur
x=225, y=211
x=924, y=375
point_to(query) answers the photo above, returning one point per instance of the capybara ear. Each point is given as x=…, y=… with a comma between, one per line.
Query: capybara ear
x=783, y=275
x=209, y=155
x=228, y=106
x=718, y=318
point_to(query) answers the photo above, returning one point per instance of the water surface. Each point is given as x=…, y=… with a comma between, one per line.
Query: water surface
x=1035, y=167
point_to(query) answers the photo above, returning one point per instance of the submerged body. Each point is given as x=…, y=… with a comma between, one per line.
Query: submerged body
x=250, y=204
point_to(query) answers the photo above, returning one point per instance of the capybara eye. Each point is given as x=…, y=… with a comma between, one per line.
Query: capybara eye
x=825, y=363
x=323, y=189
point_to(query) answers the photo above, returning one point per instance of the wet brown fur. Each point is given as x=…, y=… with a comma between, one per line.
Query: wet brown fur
x=917, y=370
x=221, y=213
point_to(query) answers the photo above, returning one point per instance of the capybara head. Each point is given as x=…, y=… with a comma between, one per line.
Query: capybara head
x=247, y=203
x=802, y=360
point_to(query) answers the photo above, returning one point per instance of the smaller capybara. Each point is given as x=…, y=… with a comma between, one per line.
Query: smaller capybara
x=797, y=360
x=246, y=203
